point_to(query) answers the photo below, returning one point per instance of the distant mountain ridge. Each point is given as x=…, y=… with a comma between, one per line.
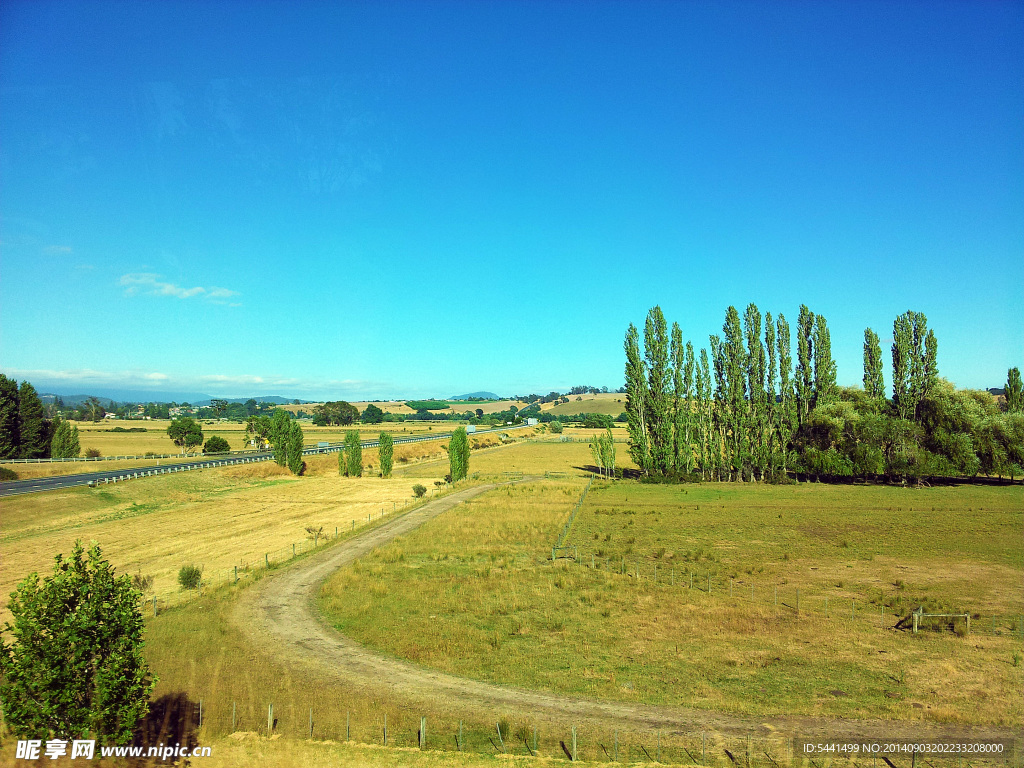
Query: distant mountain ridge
x=110, y=397
x=476, y=395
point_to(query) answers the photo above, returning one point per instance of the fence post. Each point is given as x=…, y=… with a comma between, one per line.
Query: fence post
x=270, y=720
x=236, y=574
x=501, y=741
x=574, y=743
x=311, y=722
x=616, y=748
x=423, y=733
x=459, y=741
x=233, y=717
x=266, y=559
x=385, y=729
x=348, y=726
x=826, y=607
x=798, y=601
x=154, y=606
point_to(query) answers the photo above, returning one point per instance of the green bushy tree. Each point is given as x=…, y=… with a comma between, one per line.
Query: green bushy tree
x=216, y=444
x=65, y=443
x=186, y=433
x=458, y=454
x=74, y=666
x=351, y=460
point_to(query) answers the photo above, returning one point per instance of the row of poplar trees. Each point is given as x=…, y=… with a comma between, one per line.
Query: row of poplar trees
x=729, y=414
x=732, y=411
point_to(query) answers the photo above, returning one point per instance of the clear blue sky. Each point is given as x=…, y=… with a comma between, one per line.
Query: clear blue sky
x=378, y=199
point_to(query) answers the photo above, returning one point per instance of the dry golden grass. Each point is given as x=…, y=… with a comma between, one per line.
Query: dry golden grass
x=218, y=519
x=611, y=403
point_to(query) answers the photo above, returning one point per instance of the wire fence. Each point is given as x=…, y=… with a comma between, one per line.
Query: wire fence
x=399, y=726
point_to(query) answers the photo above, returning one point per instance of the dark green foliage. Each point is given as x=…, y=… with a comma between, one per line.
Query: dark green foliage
x=9, y=433
x=458, y=454
x=7, y=475
x=419, y=490
x=190, y=576
x=350, y=462
x=428, y=405
x=33, y=435
x=386, y=453
x=65, y=443
x=602, y=448
x=185, y=433
x=874, y=384
x=338, y=413
x=75, y=668
x=257, y=430
x=1014, y=391
x=556, y=427
x=216, y=444
x=280, y=431
x=597, y=421
x=372, y=415
x=295, y=444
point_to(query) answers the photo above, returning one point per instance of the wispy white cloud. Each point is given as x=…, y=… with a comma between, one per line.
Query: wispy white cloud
x=89, y=381
x=152, y=284
x=58, y=250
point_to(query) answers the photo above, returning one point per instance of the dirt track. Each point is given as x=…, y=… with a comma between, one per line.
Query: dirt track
x=278, y=614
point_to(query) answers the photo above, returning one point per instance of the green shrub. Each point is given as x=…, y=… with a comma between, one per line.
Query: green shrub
x=92, y=453
x=7, y=474
x=419, y=490
x=190, y=576
x=216, y=444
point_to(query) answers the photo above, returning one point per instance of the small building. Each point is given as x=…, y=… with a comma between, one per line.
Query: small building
x=531, y=422
x=470, y=428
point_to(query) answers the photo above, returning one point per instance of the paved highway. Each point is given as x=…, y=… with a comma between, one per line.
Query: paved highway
x=120, y=475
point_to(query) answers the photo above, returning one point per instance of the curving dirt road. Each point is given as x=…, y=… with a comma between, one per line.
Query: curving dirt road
x=279, y=614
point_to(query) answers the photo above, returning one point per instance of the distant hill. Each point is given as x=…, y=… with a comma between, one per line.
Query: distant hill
x=476, y=396
x=111, y=397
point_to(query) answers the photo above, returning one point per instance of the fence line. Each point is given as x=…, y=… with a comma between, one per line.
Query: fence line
x=403, y=727
x=560, y=542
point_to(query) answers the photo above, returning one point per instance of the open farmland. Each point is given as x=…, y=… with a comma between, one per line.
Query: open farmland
x=474, y=593
x=217, y=519
x=610, y=403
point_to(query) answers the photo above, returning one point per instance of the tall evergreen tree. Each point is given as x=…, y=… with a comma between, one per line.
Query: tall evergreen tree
x=9, y=432
x=636, y=401
x=1014, y=391
x=915, y=364
x=874, y=385
x=33, y=438
x=659, y=423
x=64, y=444
x=386, y=453
x=824, y=365
x=804, y=365
x=721, y=457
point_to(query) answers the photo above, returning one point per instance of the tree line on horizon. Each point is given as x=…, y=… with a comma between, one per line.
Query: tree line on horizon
x=744, y=409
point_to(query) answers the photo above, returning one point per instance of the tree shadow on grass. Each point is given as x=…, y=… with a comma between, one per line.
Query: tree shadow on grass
x=173, y=721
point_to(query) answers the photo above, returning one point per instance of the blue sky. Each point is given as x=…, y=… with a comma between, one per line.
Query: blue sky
x=351, y=200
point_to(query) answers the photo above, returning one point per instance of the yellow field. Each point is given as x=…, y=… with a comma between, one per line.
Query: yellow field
x=399, y=406
x=217, y=518
x=611, y=403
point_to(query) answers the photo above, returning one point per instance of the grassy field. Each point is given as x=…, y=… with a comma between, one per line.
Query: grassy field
x=399, y=406
x=475, y=593
x=610, y=403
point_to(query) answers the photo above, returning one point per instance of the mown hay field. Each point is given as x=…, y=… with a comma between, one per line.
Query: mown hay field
x=215, y=518
x=475, y=593
x=610, y=403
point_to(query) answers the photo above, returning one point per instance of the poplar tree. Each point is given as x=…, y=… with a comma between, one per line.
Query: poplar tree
x=824, y=365
x=386, y=453
x=786, y=411
x=758, y=426
x=295, y=446
x=353, y=454
x=771, y=406
x=688, y=408
x=902, y=343
x=458, y=454
x=280, y=430
x=804, y=366
x=636, y=402
x=704, y=414
x=874, y=385
x=678, y=400
x=65, y=443
x=659, y=425
x=1014, y=391
x=735, y=360
x=720, y=408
